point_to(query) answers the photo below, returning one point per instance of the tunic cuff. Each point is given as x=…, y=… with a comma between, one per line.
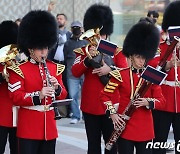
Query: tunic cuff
x=58, y=91
x=86, y=62
x=110, y=108
x=35, y=98
x=151, y=102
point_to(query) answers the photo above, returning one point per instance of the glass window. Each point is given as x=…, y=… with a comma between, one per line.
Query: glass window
x=128, y=12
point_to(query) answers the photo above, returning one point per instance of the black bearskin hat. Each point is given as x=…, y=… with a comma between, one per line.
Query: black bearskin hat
x=37, y=30
x=171, y=15
x=142, y=39
x=98, y=16
x=8, y=33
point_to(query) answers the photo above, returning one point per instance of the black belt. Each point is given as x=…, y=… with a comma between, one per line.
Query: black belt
x=57, y=61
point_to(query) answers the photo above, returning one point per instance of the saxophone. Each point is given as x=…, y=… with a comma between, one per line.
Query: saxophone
x=49, y=84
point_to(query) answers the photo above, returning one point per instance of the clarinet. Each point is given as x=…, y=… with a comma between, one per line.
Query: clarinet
x=49, y=84
x=141, y=92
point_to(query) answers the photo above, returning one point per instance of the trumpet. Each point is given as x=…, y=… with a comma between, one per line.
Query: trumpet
x=56, y=111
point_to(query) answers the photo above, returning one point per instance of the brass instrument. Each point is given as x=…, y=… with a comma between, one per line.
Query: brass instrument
x=56, y=111
x=93, y=37
x=7, y=57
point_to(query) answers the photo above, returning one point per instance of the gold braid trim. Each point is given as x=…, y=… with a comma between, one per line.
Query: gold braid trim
x=79, y=50
x=110, y=107
x=110, y=87
x=60, y=69
x=17, y=70
x=116, y=74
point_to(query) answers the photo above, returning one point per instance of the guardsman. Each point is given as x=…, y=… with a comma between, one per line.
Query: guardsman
x=8, y=35
x=33, y=85
x=170, y=114
x=96, y=122
x=139, y=128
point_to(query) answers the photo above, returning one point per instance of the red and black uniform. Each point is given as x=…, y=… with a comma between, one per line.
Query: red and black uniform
x=139, y=128
x=92, y=85
x=35, y=120
x=170, y=91
x=96, y=121
x=170, y=114
x=6, y=120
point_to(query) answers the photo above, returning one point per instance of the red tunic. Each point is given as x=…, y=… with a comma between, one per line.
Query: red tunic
x=92, y=86
x=140, y=126
x=5, y=104
x=33, y=124
x=171, y=93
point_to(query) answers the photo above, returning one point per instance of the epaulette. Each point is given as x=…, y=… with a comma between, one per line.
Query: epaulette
x=118, y=49
x=116, y=74
x=60, y=69
x=79, y=50
x=16, y=69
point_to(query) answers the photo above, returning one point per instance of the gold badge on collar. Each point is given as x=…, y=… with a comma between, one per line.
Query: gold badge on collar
x=60, y=69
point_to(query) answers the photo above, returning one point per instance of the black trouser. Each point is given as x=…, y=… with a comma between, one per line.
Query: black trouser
x=96, y=126
x=127, y=147
x=28, y=146
x=10, y=133
x=162, y=123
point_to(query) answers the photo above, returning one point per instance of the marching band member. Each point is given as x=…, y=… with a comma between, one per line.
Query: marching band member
x=32, y=88
x=170, y=114
x=8, y=35
x=96, y=122
x=140, y=45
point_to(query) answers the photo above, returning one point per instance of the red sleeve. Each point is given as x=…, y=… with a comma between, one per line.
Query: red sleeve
x=163, y=47
x=120, y=60
x=109, y=91
x=154, y=62
x=159, y=98
x=17, y=91
x=79, y=67
x=63, y=92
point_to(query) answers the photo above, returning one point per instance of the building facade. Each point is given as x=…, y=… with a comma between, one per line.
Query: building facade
x=126, y=12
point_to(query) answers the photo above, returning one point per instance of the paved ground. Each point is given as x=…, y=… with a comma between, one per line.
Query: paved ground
x=72, y=138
